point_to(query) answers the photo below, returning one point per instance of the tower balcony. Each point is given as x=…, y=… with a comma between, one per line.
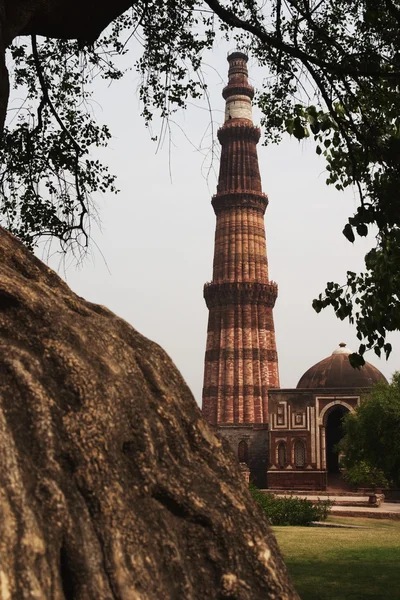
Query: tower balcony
x=240, y=292
x=237, y=129
x=239, y=199
x=238, y=88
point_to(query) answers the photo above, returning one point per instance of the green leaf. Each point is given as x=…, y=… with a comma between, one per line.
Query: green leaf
x=289, y=123
x=362, y=229
x=298, y=130
x=348, y=233
x=356, y=360
x=388, y=349
x=317, y=305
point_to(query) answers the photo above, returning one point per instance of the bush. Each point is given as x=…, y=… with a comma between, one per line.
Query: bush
x=365, y=475
x=291, y=510
x=371, y=442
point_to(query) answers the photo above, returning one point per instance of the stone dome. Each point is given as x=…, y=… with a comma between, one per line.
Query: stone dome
x=335, y=371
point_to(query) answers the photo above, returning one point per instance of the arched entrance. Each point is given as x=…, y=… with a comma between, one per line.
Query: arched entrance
x=334, y=434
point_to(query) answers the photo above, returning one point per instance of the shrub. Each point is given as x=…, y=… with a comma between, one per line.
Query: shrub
x=291, y=510
x=363, y=474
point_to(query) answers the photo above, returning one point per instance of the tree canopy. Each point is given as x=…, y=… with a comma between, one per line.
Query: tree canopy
x=371, y=444
x=332, y=75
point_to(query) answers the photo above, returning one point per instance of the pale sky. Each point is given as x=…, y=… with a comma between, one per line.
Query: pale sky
x=157, y=235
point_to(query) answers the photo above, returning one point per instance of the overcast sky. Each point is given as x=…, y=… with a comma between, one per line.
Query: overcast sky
x=157, y=235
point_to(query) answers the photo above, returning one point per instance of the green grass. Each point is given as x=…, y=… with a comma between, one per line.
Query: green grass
x=344, y=564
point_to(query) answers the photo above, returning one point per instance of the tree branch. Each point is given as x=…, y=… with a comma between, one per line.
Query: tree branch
x=229, y=18
x=82, y=20
x=46, y=95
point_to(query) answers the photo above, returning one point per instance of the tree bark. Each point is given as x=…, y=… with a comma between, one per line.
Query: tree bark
x=112, y=486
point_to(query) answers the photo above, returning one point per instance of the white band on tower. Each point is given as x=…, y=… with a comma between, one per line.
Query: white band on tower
x=238, y=107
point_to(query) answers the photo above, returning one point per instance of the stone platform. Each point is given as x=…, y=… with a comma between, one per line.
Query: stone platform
x=387, y=510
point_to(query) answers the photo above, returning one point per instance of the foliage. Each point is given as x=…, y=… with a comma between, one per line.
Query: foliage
x=371, y=442
x=333, y=77
x=48, y=173
x=364, y=474
x=291, y=510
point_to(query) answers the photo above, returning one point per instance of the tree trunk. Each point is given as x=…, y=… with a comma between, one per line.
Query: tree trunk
x=67, y=19
x=111, y=484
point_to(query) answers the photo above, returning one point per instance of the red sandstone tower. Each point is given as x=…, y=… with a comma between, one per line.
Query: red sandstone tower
x=241, y=362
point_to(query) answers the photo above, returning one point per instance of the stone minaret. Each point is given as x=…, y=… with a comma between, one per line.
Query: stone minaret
x=241, y=362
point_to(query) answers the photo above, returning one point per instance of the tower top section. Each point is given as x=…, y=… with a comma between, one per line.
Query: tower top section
x=238, y=94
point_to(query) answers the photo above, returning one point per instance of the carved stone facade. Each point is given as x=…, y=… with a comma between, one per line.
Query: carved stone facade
x=305, y=422
x=298, y=425
x=241, y=362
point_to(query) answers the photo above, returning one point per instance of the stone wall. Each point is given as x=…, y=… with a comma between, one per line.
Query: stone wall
x=297, y=480
x=256, y=438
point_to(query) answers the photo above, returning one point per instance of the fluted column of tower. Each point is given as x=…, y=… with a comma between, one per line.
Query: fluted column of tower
x=241, y=361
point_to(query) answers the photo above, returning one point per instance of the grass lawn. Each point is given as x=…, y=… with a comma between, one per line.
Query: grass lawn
x=344, y=564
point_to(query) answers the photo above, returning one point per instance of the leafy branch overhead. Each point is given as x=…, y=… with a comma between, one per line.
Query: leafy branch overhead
x=332, y=75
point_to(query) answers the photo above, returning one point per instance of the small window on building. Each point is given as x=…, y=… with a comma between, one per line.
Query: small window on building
x=282, y=455
x=243, y=452
x=280, y=415
x=299, y=454
x=299, y=418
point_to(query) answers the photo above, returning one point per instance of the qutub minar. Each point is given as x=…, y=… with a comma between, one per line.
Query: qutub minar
x=286, y=438
x=241, y=362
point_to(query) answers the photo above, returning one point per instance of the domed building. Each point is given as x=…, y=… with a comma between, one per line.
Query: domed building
x=305, y=422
